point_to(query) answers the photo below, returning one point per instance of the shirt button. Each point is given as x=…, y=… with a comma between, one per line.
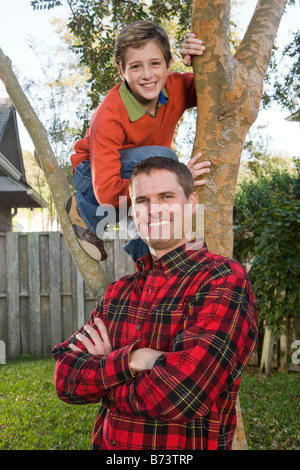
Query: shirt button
x=139, y=327
x=113, y=443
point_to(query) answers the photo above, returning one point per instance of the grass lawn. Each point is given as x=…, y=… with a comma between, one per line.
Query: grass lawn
x=32, y=418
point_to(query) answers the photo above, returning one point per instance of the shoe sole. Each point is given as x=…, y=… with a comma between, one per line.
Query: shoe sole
x=91, y=250
x=78, y=225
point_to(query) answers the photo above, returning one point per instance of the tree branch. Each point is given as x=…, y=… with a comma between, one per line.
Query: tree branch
x=256, y=46
x=91, y=270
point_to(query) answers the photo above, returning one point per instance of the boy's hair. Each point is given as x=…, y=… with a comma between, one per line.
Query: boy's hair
x=136, y=35
x=184, y=176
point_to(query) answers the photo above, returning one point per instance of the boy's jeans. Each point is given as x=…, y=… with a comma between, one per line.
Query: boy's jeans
x=92, y=213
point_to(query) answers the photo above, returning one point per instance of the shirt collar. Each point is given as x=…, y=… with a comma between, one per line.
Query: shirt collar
x=134, y=109
x=182, y=258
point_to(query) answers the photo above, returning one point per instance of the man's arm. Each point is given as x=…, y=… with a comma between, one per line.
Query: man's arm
x=143, y=359
x=87, y=367
x=98, y=344
x=209, y=355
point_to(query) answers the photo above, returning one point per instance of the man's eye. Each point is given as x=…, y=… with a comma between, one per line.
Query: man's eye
x=141, y=201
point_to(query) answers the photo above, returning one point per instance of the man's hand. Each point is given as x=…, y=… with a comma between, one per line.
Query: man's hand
x=198, y=169
x=100, y=344
x=142, y=359
x=191, y=46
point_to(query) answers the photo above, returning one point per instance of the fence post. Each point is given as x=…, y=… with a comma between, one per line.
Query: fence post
x=267, y=351
x=2, y=352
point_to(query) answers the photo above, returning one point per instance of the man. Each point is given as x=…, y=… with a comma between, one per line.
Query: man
x=165, y=349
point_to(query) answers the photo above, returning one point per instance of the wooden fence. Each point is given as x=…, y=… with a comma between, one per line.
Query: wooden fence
x=43, y=298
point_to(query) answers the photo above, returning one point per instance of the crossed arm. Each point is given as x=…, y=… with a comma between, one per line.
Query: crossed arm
x=99, y=344
x=176, y=385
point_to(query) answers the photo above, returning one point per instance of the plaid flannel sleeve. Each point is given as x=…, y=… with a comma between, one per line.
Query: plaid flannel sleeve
x=81, y=377
x=208, y=356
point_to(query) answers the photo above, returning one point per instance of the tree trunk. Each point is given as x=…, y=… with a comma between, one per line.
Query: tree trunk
x=90, y=270
x=229, y=90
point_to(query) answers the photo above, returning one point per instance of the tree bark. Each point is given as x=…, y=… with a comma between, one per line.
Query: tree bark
x=229, y=90
x=90, y=270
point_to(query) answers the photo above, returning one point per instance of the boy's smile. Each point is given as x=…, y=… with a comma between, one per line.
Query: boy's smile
x=145, y=73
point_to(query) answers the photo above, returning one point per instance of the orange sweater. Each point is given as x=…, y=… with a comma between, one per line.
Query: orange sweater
x=111, y=130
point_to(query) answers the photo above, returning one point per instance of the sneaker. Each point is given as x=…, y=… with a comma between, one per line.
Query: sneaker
x=89, y=242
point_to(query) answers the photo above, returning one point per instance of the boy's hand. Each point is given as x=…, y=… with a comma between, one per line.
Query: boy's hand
x=198, y=169
x=191, y=46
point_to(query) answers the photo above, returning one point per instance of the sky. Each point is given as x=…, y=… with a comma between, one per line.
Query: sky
x=19, y=22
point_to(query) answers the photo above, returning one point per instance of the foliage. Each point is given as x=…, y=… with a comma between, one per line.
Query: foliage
x=283, y=87
x=60, y=95
x=267, y=236
x=32, y=417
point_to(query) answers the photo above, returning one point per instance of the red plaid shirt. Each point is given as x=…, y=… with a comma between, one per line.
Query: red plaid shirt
x=200, y=309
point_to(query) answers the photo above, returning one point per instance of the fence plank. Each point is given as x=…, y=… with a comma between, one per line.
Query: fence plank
x=35, y=327
x=80, y=301
x=55, y=288
x=3, y=291
x=24, y=294
x=13, y=323
x=45, y=292
x=68, y=291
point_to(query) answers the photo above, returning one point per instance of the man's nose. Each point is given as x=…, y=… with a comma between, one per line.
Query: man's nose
x=157, y=209
x=154, y=208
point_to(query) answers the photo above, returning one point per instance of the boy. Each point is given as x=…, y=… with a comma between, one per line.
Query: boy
x=136, y=120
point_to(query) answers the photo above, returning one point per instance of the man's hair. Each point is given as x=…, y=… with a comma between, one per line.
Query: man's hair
x=184, y=176
x=136, y=35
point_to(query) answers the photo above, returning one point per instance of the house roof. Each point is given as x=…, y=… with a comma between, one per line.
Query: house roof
x=14, y=189
x=5, y=110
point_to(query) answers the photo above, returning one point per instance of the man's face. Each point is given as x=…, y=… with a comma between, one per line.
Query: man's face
x=146, y=73
x=161, y=211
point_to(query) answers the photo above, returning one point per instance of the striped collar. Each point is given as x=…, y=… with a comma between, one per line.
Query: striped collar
x=182, y=258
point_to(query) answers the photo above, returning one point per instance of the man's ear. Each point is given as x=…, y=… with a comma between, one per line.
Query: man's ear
x=194, y=200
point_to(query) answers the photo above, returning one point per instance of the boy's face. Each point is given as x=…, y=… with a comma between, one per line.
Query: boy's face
x=146, y=73
x=161, y=211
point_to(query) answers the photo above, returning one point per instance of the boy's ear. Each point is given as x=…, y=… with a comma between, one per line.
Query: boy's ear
x=169, y=66
x=120, y=72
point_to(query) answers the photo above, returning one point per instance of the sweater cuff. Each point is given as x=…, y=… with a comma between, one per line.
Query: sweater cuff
x=116, y=369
